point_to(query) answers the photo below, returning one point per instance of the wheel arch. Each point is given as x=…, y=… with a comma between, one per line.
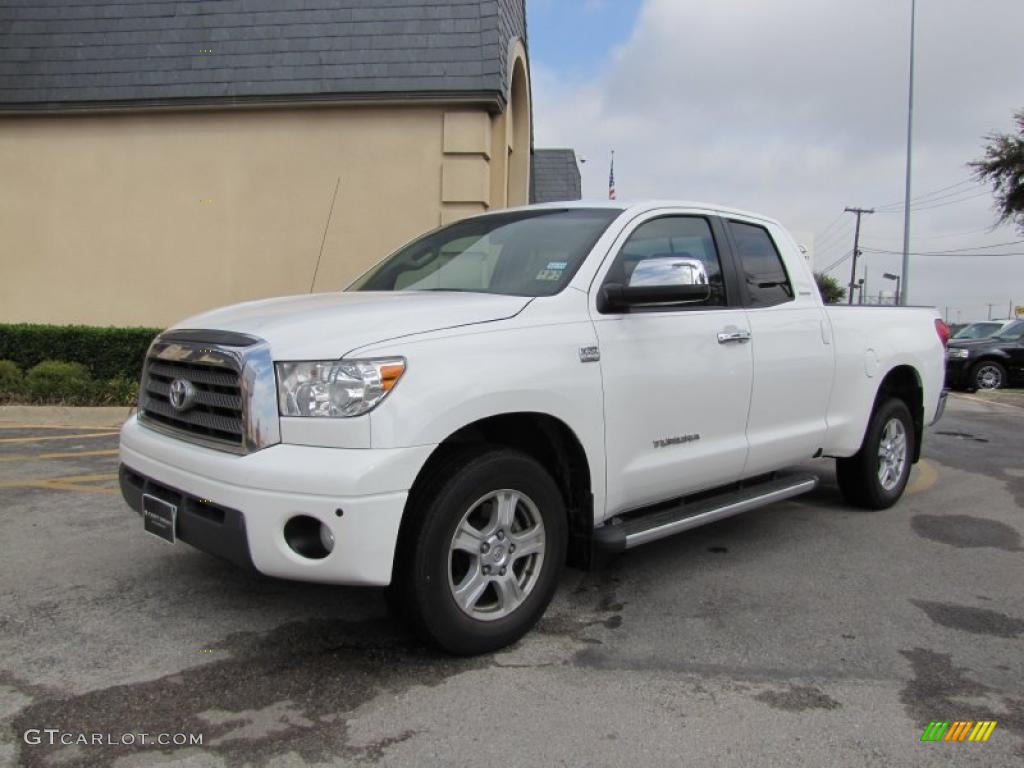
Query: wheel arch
x=904, y=383
x=546, y=438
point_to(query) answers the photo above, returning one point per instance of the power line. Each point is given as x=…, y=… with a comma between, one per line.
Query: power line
x=926, y=207
x=831, y=224
x=924, y=195
x=971, y=248
x=836, y=237
x=837, y=263
x=940, y=254
x=945, y=236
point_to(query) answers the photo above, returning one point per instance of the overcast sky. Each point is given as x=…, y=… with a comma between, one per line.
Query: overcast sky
x=795, y=109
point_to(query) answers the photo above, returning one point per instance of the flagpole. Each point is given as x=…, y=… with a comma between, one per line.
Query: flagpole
x=611, y=177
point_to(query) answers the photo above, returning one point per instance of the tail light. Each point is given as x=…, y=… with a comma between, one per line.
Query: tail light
x=943, y=330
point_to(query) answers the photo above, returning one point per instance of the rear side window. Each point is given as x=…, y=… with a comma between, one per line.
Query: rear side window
x=759, y=260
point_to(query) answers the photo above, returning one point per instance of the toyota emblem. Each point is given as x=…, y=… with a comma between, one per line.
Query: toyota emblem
x=181, y=394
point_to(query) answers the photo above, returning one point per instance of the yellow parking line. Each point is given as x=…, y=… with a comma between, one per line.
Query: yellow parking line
x=55, y=437
x=925, y=478
x=47, y=456
x=65, y=483
x=52, y=485
x=986, y=401
x=13, y=425
x=83, y=478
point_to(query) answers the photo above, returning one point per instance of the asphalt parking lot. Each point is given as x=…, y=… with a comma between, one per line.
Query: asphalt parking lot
x=807, y=633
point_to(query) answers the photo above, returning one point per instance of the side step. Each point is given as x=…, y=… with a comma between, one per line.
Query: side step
x=617, y=537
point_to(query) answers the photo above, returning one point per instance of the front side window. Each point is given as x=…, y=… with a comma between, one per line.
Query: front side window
x=761, y=265
x=1013, y=332
x=671, y=237
x=977, y=331
x=520, y=253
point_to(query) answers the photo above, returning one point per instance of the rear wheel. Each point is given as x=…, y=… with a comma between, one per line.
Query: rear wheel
x=479, y=562
x=988, y=374
x=875, y=477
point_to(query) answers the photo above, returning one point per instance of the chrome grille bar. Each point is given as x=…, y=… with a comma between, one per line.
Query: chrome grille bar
x=231, y=401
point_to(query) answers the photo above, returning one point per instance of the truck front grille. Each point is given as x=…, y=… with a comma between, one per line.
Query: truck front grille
x=210, y=387
x=216, y=410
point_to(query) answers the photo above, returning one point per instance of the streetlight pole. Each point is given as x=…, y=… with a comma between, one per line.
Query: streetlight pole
x=910, y=138
x=890, y=275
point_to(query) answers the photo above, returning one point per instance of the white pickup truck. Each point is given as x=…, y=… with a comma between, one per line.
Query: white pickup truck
x=515, y=391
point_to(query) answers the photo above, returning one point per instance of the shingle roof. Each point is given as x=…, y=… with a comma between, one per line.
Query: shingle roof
x=61, y=53
x=554, y=176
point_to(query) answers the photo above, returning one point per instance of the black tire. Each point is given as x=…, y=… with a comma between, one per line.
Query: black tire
x=422, y=590
x=858, y=475
x=988, y=375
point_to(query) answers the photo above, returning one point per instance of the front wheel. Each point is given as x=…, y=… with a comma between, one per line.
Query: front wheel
x=479, y=562
x=988, y=374
x=875, y=476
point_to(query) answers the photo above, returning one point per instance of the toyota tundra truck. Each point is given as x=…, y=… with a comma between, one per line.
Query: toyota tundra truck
x=517, y=391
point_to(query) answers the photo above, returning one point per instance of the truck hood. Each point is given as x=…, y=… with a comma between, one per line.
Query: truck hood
x=973, y=343
x=328, y=325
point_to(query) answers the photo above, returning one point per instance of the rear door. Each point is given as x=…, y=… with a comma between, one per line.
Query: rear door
x=676, y=378
x=791, y=344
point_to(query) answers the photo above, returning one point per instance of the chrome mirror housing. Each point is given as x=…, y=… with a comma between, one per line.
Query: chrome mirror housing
x=668, y=271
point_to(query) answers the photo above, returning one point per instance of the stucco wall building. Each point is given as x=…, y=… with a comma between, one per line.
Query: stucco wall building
x=158, y=159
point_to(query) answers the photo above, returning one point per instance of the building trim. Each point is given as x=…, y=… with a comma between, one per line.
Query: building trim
x=493, y=101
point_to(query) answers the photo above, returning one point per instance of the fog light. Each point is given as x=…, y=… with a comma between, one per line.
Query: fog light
x=326, y=537
x=308, y=537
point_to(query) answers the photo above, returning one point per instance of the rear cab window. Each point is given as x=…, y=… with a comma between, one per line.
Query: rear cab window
x=760, y=265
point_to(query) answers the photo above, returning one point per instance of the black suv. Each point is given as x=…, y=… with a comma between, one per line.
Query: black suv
x=991, y=363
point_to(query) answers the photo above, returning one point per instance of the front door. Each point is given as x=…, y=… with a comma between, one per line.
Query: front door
x=677, y=379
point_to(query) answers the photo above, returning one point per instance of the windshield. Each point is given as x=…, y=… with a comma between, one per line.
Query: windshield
x=520, y=253
x=977, y=331
x=1012, y=332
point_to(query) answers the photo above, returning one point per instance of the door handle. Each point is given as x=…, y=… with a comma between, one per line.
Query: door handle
x=733, y=336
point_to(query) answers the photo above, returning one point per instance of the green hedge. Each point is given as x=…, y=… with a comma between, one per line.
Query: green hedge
x=58, y=383
x=107, y=353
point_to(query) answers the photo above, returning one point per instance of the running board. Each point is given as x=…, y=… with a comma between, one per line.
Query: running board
x=617, y=537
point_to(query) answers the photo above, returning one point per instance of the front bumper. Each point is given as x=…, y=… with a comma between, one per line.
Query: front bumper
x=957, y=372
x=236, y=507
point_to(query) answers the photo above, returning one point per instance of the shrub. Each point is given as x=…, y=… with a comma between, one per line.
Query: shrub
x=106, y=352
x=54, y=381
x=117, y=391
x=11, y=380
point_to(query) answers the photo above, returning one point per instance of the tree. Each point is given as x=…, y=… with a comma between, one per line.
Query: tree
x=832, y=292
x=1003, y=168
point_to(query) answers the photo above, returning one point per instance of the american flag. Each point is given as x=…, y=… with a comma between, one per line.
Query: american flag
x=611, y=178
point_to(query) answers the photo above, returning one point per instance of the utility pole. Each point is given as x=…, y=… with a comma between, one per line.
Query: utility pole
x=990, y=310
x=905, y=270
x=856, y=244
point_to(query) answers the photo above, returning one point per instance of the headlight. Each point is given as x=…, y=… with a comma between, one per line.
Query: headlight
x=336, y=388
x=957, y=354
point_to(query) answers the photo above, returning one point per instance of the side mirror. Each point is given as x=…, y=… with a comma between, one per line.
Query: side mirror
x=660, y=281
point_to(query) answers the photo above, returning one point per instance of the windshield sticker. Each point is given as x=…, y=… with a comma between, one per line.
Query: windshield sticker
x=553, y=271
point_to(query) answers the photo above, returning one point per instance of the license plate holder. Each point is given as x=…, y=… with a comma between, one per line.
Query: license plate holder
x=159, y=517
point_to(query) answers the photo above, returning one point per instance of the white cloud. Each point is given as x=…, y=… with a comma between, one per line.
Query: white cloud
x=797, y=108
